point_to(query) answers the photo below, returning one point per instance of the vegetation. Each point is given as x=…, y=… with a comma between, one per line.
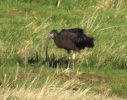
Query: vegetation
x=24, y=31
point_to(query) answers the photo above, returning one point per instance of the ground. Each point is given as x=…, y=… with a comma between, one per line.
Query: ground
x=24, y=31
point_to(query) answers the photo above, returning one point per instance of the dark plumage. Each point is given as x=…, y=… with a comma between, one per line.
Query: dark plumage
x=72, y=39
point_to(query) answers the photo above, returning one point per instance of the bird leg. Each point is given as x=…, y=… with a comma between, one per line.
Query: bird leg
x=73, y=58
x=69, y=61
x=47, y=59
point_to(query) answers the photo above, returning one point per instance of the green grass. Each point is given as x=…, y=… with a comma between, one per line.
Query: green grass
x=27, y=23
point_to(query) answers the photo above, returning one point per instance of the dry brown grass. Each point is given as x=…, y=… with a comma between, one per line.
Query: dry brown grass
x=20, y=13
x=51, y=91
x=110, y=4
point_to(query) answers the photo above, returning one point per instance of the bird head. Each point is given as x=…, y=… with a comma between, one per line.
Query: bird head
x=53, y=33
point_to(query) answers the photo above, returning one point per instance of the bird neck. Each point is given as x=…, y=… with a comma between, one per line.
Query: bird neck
x=57, y=38
x=57, y=41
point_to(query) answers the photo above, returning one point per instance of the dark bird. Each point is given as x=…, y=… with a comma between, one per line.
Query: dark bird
x=72, y=39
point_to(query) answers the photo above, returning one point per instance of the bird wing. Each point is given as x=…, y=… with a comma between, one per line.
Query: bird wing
x=77, y=38
x=76, y=35
x=67, y=40
x=68, y=35
x=72, y=33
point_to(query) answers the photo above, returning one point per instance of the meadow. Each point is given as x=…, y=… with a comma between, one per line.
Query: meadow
x=98, y=73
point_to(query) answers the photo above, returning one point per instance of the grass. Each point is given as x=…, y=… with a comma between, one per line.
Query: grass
x=51, y=91
x=24, y=30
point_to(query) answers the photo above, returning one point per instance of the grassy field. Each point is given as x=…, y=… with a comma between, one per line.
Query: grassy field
x=24, y=31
